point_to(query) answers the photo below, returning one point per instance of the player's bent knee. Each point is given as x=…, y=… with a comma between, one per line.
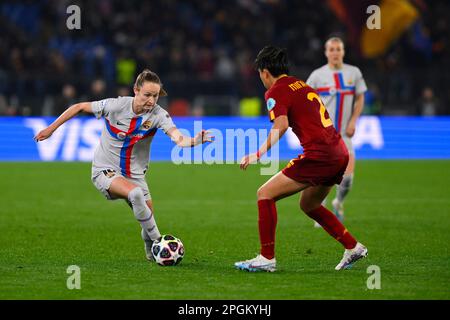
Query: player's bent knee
x=262, y=193
x=303, y=207
x=308, y=206
x=136, y=195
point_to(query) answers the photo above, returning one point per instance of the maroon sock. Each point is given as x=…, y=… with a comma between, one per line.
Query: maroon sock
x=267, y=223
x=333, y=226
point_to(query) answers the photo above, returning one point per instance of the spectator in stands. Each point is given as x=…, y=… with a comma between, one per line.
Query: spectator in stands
x=67, y=98
x=98, y=90
x=123, y=91
x=428, y=103
x=3, y=105
x=197, y=41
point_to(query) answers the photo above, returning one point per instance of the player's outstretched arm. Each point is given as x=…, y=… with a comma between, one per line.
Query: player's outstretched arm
x=280, y=125
x=184, y=141
x=71, y=112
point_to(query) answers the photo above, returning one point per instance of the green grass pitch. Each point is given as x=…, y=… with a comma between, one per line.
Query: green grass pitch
x=51, y=217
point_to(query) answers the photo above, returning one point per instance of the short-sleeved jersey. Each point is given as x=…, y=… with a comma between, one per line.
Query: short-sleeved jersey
x=307, y=117
x=126, y=137
x=338, y=88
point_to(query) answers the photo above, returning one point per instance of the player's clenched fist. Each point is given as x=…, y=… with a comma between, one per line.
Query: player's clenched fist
x=350, y=130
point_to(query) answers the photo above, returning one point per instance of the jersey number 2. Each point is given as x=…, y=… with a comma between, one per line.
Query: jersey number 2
x=326, y=122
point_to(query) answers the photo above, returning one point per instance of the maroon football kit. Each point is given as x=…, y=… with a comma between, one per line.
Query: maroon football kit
x=325, y=156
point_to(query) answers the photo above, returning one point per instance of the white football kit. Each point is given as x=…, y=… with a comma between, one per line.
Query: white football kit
x=124, y=148
x=337, y=89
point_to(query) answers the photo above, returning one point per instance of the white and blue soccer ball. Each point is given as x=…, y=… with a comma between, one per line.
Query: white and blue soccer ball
x=169, y=251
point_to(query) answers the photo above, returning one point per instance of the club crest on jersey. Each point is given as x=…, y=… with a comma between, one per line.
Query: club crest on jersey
x=121, y=135
x=146, y=125
x=271, y=103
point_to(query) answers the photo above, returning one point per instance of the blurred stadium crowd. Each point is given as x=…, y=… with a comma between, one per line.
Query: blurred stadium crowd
x=203, y=49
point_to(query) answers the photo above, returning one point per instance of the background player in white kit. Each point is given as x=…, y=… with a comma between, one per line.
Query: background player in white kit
x=341, y=87
x=121, y=158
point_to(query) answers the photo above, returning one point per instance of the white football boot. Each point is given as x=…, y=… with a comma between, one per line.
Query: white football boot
x=351, y=256
x=338, y=209
x=260, y=263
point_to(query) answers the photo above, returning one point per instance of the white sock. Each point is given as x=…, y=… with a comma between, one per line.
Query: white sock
x=344, y=188
x=145, y=236
x=143, y=214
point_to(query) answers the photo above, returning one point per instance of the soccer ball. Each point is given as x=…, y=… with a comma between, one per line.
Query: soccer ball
x=169, y=251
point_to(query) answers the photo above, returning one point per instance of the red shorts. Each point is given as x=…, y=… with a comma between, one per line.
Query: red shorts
x=316, y=172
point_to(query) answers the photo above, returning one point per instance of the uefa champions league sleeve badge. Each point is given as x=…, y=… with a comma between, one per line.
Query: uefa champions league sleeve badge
x=270, y=103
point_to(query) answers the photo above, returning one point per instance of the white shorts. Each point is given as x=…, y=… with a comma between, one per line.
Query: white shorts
x=348, y=144
x=102, y=181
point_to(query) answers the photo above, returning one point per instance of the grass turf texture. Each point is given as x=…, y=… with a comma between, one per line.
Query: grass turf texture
x=51, y=216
